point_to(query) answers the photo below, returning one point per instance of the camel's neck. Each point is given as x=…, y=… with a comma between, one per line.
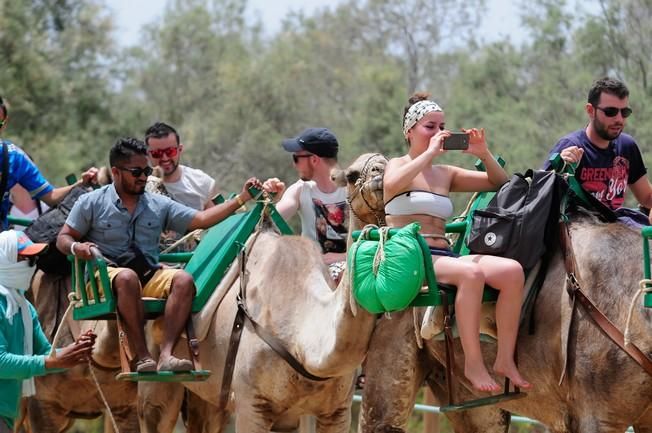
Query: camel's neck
x=336, y=339
x=316, y=321
x=332, y=341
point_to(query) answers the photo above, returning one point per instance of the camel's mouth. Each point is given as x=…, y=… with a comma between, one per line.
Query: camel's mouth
x=365, y=185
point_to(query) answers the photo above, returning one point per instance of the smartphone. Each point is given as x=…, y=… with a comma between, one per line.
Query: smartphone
x=456, y=141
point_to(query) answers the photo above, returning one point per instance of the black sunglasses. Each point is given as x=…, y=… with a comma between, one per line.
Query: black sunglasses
x=137, y=171
x=296, y=157
x=613, y=111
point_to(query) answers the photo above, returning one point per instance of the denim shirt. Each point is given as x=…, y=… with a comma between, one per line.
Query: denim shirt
x=101, y=218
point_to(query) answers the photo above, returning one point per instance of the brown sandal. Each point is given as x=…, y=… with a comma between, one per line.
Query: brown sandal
x=145, y=365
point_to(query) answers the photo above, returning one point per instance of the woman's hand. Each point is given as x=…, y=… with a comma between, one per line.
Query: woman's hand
x=435, y=146
x=477, y=143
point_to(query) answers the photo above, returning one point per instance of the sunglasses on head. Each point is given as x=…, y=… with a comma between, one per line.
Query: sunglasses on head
x=613, y=111
x=170, y=152
x=296, y=157
x=138, y=171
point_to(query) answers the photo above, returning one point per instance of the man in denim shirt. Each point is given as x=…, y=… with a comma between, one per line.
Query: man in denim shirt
x=122, y=218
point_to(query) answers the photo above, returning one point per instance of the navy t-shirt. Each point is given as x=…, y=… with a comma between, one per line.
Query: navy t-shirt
x=605, y=173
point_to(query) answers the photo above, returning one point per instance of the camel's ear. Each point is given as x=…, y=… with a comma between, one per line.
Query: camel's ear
x=338, y=176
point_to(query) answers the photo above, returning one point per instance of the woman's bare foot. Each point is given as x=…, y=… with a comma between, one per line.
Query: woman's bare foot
x=480, y=378
x=510, y=371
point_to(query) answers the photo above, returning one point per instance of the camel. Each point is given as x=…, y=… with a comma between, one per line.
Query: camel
x=290, y=293
x=60, y=398
x=603, y=391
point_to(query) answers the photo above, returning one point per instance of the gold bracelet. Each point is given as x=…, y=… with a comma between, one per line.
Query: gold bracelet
x=239, y=200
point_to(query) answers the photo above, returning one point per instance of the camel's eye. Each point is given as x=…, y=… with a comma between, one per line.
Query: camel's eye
x=352, y=176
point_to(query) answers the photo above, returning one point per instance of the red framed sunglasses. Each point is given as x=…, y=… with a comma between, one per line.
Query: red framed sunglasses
x=170, y=152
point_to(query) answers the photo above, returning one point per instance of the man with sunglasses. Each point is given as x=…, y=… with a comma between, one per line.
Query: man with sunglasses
x=321, y=204
x=608, y=159
x=22, y=171
x=124, y=222
x=184, y=184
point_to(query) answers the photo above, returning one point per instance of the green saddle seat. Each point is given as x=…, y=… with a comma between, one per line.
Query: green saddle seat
x=207, y=264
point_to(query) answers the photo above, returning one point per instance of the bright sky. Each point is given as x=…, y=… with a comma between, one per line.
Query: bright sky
x=502, y=19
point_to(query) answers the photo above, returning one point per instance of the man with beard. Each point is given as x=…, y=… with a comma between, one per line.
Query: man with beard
x=608, y=159
x=124, y=222
x=184, y=184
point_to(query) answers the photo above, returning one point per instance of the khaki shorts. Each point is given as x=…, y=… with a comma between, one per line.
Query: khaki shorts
x=157, y=287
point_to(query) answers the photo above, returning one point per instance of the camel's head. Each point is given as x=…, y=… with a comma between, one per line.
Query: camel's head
x=364, y=181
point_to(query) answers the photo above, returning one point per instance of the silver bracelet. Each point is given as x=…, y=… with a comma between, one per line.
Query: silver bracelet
x=72, y=248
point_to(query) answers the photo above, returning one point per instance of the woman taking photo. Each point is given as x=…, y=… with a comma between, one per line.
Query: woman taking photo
x=416, y=190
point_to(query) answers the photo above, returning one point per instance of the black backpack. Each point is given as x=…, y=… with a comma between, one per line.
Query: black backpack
x=521, y=220
x=45, y=229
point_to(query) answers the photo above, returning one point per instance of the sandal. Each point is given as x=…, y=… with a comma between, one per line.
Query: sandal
x=173, y=363
x=360, y=381
x=145, y=365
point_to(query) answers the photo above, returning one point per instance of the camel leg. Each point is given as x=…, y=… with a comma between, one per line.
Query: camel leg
x=393, y=375
x=125, y=417
x=45, y=417
x=253, y=413
x=158, y=406
x=203, y=417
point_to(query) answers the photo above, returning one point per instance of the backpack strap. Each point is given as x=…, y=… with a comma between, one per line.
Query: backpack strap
x=3, y=181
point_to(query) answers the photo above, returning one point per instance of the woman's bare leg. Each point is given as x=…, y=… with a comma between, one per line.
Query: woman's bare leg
x=506, y=275
x=469, y=279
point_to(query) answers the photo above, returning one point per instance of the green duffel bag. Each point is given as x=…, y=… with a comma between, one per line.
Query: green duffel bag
x=387, y=275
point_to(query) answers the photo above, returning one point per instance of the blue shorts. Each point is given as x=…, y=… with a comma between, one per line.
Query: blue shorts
x=443, y=252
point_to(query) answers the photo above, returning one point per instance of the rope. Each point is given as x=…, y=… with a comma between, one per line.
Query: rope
x=181, y=240
x=103, y=397
x=379, y=257
x=417, y=328
x=57, y=335
x=364, y=234
x=55, y=341
x=644, y=288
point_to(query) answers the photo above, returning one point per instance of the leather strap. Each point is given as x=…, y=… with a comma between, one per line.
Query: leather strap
x=277, y=345
x=4, y=178
x=229, y=363
x=236, y=333
x=193, y=344
x=603, y=323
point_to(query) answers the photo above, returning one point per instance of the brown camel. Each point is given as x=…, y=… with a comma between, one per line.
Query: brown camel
x=60, y=398
x=290, y=293
x=603, y=391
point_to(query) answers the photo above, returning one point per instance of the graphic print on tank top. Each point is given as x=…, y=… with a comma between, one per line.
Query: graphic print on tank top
x=331, y=225
x=607, y=184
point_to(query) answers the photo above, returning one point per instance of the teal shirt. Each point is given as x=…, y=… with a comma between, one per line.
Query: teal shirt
x=14, y=365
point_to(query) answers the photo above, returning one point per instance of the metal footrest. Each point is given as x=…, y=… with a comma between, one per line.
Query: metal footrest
x=470, y=404
x=165, y=376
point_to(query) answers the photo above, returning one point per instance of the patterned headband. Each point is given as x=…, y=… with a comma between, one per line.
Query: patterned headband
x=416, y=113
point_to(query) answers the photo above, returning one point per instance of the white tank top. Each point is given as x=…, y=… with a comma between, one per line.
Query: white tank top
x=324, y=216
